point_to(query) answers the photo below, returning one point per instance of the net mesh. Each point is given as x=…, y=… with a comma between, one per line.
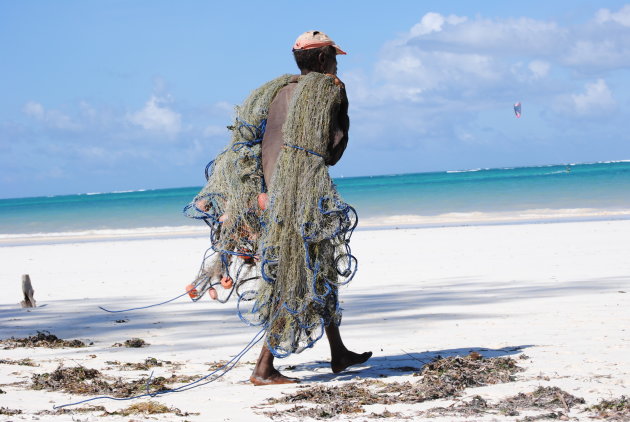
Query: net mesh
x=283, y=264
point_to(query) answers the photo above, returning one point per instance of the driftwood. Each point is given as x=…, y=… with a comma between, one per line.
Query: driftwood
x=27, y=290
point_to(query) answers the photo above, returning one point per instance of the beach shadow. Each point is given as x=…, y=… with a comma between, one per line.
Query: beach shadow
x=184, y=323
x=188, y=324
x=463, y=292
x=379, y=367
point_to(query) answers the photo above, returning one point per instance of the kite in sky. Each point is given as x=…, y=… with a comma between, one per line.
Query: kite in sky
x=517, y=109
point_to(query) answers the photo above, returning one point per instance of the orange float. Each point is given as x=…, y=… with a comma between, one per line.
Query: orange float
x=227, y=282
x=245, y=254
x=213, y=293
x=263, y=200
x=202, y=205
x=192, y=292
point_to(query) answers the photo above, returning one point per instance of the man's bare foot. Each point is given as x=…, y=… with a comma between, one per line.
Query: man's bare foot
x=275, y=378
x=348, y=359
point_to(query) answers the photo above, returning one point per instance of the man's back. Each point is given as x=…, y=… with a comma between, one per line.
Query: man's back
x=273, y=139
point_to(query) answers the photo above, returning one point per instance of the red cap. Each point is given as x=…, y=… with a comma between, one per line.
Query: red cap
x=315, y=39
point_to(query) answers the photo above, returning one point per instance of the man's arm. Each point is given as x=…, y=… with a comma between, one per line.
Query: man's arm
x=339, y=130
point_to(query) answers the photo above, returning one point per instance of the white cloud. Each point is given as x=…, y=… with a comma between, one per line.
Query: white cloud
x=621, y=17
x=155, y=116
x=539, y=68
x=445, y=59
x=601, y=44
x=596, y=99
x=452, y=79
x=52, y=118
x=435, y=32
x=496, y=45
x=34, y=109
x=411, y=75
x=116, y=128
x=433, y=22
x=604, y=54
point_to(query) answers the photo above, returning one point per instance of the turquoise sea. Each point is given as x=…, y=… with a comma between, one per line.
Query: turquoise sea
x=579, y=191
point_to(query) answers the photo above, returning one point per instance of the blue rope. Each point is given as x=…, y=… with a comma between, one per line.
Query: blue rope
x=225, y=368
x=303, y=149
x=207, y=171
x=254, y=310
x=148, y=306
x=256, y=134
x=149, y=382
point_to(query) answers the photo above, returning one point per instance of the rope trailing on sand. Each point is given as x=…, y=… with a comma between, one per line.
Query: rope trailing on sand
x=147, y=306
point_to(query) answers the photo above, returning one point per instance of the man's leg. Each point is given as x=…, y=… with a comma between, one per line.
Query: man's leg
x=340, y=357
x=265, y=374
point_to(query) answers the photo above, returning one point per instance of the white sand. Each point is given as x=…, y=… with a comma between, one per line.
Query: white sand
x=554, y=292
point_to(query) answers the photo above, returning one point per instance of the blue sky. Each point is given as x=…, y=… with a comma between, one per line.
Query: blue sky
x=117, y=95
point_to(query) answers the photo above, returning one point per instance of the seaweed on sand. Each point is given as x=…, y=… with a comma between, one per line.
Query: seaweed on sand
x=553, y=400
x=613, y=410
x=41, y=339
x=474, y=407
x=545, y=398
x=81, y=380
x=133, y=343
x=9, y=412
x=444, y=377
x=147, y=364
x=139, y=408
x=21, y=362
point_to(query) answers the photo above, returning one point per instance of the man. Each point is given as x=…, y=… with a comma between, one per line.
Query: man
x=280, y=231
x=314, y=51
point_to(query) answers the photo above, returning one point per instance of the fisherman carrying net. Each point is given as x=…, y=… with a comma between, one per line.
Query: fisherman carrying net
x=280, y=231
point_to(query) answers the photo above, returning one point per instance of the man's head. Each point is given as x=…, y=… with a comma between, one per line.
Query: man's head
x=314, y=51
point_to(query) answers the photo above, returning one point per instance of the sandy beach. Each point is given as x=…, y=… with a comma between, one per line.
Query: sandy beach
x=553, y=297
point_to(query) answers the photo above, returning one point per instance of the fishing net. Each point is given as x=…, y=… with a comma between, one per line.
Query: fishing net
x=227, y=203
x=283, y=254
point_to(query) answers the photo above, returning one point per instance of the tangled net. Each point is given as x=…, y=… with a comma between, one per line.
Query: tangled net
x=282, y=253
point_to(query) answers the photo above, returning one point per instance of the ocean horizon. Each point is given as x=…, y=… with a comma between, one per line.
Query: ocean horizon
x=577, y=191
